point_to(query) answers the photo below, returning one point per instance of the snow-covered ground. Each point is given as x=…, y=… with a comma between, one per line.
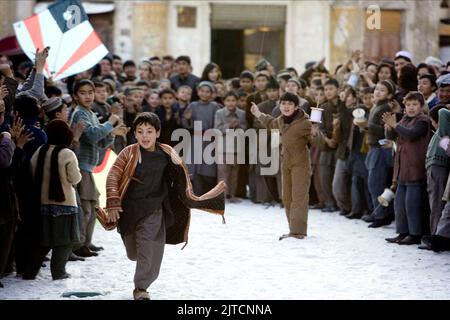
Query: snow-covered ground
x=243, y=259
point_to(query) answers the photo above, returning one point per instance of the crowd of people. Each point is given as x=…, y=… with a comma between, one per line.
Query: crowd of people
x=383, y=129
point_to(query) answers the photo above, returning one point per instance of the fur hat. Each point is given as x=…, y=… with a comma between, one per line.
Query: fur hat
x=52, y=104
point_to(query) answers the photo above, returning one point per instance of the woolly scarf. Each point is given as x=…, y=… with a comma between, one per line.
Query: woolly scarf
x=288, y=120
x=55, y=191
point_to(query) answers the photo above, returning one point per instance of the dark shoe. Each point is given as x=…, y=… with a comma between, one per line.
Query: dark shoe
x=1, y=285
x=424, y=247
x=74, y=257
x=397, y=238
x=436, y=243
x=317, y=206
x=344, y=213
x=379, y=223
x=329, y=209
x=28, y=277
x=367, y=218
x=85, y=252
x=62, y=277
x=354, y=215
x=410, y=240
x=95, y=248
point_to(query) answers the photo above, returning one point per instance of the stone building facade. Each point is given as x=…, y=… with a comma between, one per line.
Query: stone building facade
x=235, y=33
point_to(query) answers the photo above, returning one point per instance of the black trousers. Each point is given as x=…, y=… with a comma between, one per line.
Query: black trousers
x=6, y=243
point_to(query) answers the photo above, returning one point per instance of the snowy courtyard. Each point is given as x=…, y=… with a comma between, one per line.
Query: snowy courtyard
x=243, y=259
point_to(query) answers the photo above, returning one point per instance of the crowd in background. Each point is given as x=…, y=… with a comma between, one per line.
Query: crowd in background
x=384, y=125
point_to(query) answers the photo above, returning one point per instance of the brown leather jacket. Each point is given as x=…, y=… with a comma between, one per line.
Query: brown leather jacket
x=181, y=197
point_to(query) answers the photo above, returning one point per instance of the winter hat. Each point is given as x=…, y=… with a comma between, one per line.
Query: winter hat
x=110, y=83
x=52, y=104
x=67, y=99
x=309, y=64
x=247, y=74
x=296, y=82
x=433, y=61
x=443, y=80
x=262, y=65
x=284, y=75
x=129, y=91
x=208, y=84
x=404, y=54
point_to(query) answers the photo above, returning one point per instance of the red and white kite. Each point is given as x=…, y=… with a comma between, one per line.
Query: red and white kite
x=65, y=28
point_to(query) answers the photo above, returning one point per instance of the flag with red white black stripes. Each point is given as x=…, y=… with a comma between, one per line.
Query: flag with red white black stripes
x=65, y=28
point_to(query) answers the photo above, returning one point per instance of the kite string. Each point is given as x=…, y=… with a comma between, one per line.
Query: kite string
x=57, y=56
x=266, y=14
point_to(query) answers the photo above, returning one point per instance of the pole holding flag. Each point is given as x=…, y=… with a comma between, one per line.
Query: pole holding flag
x=65, y=28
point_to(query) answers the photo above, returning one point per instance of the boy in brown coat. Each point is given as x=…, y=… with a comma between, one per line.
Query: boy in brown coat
x=295, y=130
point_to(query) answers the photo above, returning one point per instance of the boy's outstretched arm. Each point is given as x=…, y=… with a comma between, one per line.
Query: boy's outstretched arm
x=267, y=120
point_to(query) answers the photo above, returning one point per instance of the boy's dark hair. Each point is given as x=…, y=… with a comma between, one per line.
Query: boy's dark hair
x=52, y=91
x=414, y=96
x=155, y=58
x=241, y=93
x=261, y=74
x=107, y=58
x=26, y=106
x=332, y=82
x=99, y=84
x=184, y=86
x=230, y=94
x=430, y=69
x=80, y=83
x=235, y=83
x=19, y=76
x=168, y=57
x=186, y=59
x=167, y=91
x=367, y=90
x=303, y=83
x=116, y=57
x=59, y=133
x=320, y=88
x=434, y=112
x=316, y=82
x=290, y=97
x=430, y=77
x=273, y=85
x=143, y=83
x=129, y=63
x=350, y=90
x=147, y=118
